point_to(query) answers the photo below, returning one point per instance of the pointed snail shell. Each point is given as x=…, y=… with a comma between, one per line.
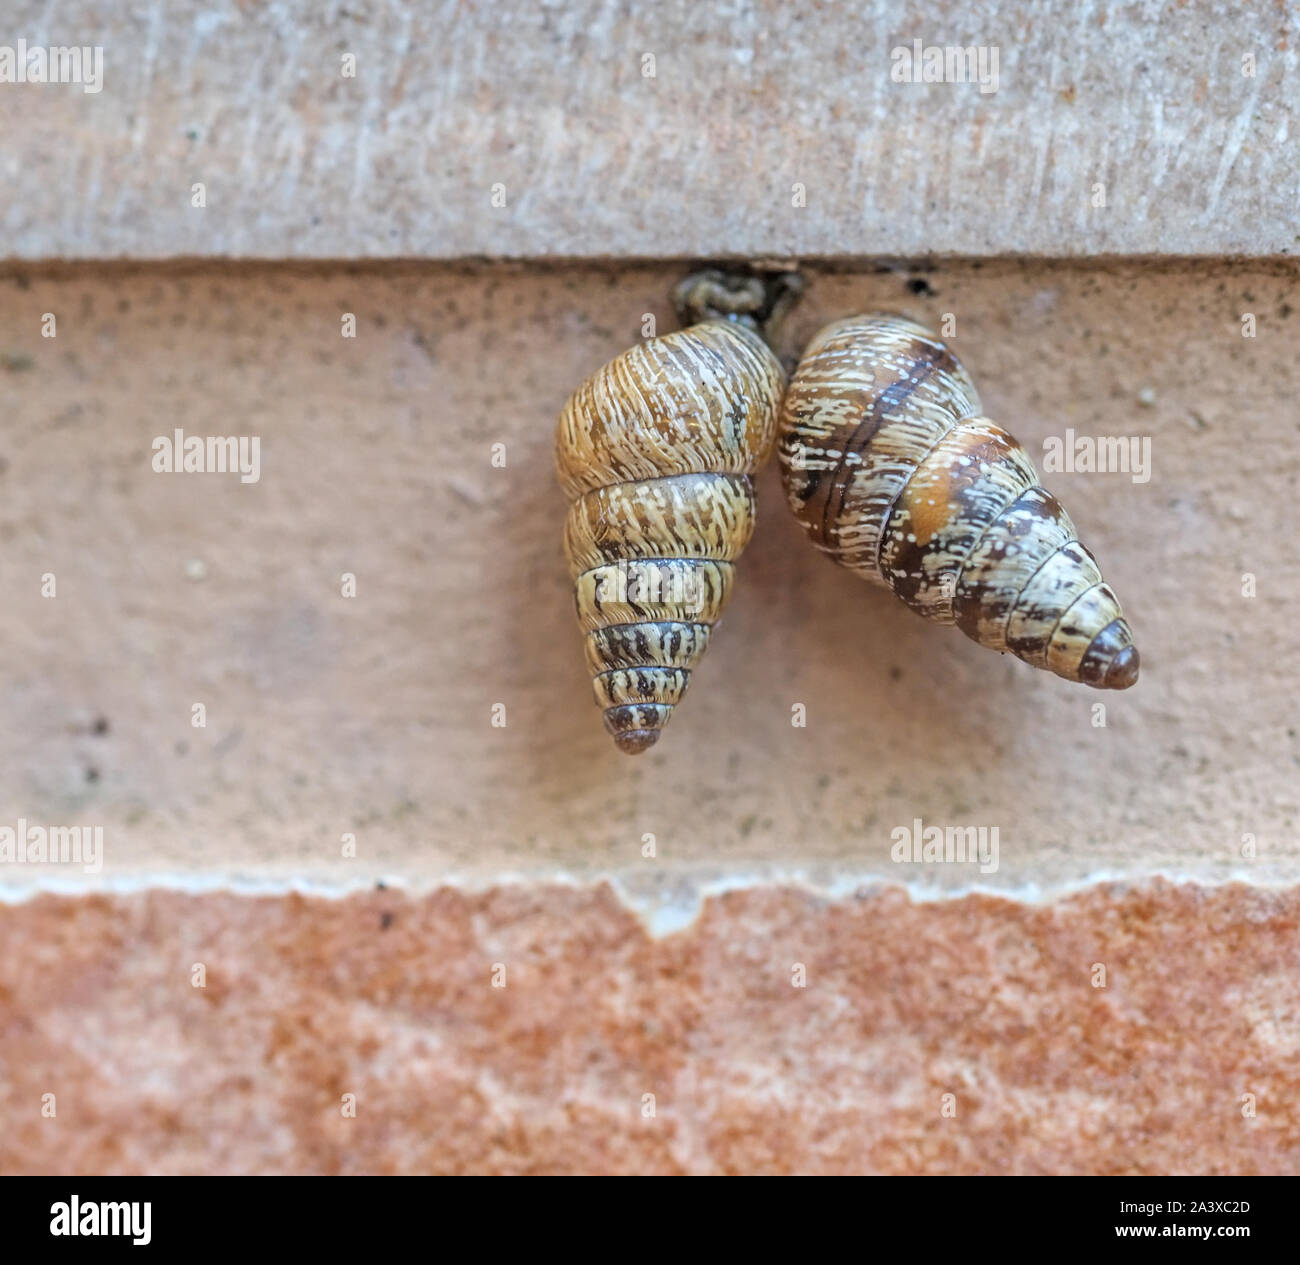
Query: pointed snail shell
x=655, y=453
x=892, y=469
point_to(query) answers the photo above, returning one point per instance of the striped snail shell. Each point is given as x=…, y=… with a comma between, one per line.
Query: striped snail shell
x=655, y=453
x=893, y=470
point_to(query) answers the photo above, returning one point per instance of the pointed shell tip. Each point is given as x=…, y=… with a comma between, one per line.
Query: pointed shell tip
x=1123, y=670
x=635, y=741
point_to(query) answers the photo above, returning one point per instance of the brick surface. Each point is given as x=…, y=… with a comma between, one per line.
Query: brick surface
x=1183, y=1062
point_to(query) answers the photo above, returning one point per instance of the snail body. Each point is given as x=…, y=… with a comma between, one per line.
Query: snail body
x=655, y=453
x=892, y=469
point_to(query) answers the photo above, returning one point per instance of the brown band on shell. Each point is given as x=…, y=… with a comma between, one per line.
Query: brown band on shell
x=827, y=502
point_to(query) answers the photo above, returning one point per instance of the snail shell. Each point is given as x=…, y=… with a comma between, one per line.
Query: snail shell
x=654, y=452
x=892, y=469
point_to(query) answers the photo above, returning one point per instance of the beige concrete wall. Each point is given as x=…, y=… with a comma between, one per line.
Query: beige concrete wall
x=551, y=102
x=372, y=715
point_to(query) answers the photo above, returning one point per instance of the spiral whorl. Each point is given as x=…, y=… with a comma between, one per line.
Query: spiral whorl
x=655, y=451
x=892, y=469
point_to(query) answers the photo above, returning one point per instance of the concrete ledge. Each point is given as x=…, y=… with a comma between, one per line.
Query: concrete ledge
x=526, y=130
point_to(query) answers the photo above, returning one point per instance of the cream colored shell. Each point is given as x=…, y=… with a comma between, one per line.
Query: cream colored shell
x=655, y=452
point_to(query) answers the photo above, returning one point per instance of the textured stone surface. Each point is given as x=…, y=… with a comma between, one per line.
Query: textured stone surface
x=771, y=130
x=372, y=715
x=391, y=999
x=747, y=103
